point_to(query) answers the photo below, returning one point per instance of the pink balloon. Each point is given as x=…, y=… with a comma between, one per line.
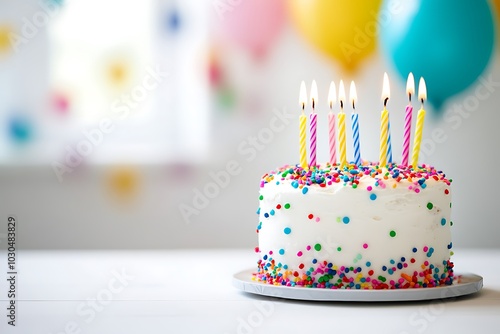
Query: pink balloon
x=252, y=24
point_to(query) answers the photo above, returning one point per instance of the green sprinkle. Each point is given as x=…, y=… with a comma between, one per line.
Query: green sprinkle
x=339, y=249
x=392, y=233
x=287, y=206
x=261, y=197
x=430, y=206
x=317, y=247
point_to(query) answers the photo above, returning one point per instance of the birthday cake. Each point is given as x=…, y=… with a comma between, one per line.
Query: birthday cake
x=356, y=227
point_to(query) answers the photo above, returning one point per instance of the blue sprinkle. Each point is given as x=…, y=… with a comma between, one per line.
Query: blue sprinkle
x=266, y=215
x=304, y=190
x=258, y=211
x=368, y=263
x=346, y=220
x=384, y=268
x=282, y=251
x=272, y=212
x=354, y=171
x=443, y=221
x=414, y=249
x=295, y=184
x=424, y=186
x=373, y=197
x=287, y=230
x=390, y=271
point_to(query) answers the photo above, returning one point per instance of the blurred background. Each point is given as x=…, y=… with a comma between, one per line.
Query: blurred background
x=148, y=124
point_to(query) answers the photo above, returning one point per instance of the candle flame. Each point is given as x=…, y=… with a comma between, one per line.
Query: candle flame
x=303, y=95
x=422, y=90
x=386, y=92
x=352, y=94
x=341, y=94
x=314, y=94
x=332, y=95
x=410, y=86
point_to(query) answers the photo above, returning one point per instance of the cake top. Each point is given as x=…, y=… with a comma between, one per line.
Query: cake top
x=351, y=174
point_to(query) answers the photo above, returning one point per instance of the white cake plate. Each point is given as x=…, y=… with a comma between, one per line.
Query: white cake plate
x=464, y=284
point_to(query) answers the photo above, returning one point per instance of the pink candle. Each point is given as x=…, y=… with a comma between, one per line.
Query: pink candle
x=313, y=124
x=410, y=89
x=331, y=125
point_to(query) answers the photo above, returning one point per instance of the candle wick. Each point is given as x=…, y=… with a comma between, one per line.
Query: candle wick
x=353, y=107
x=303, y=107
x=313, y=104
x=385, y=101
x=422, y=100
x=409, y=97
x=341, y=104
x=331, y=105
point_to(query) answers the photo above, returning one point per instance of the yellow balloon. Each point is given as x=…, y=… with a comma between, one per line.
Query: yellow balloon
x=344, y=30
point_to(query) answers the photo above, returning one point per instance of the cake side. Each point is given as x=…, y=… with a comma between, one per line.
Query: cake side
x=358, y=227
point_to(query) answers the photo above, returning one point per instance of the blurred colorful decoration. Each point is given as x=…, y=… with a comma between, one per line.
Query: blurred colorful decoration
x=20, y=129
x=60, y=103
x=345, y=31
x=254, y=25
x=173, y=20
x=123, y=183
x=118, y=72
x=5, y=32
x=448, y=44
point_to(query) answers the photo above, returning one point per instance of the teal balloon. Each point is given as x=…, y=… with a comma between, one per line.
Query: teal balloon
x=447, y=42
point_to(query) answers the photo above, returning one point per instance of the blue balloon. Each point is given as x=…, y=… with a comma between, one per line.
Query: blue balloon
x=448, y=42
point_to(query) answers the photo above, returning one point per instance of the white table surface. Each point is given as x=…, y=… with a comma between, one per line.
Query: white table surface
x=190, y=292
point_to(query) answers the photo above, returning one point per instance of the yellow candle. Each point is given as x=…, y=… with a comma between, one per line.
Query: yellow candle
x=422, y=95
x=341, y=116
x=384, y=123
x=302, y=126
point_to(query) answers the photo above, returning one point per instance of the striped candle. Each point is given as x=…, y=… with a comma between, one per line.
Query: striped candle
x=302, y=126
x=341, y=116
x=384, y=123
x=389, y=141
x=384, y=126
x=422, y=95
x=355, y=125
x=410, y=90
x=313, y=124
x=331, y=125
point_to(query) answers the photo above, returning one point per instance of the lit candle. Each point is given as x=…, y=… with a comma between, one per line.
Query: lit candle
x=384, y=123
x=313, y=124
x=422, y=96
x=410, y=90
x=341, y=115
x=355, y=124
x=302, y=125
x=331, y=125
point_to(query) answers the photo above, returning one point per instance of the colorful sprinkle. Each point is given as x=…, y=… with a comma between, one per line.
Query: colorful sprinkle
x=287, y=230
x=281, y=251
x=317, y=247
x=392, y=233
x=346, y=220
x=430, y=206
x=373, y=197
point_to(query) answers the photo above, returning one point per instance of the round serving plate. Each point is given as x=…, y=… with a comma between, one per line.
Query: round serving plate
x=464, y=284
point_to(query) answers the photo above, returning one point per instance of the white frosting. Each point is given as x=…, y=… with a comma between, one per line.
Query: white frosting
x=370, y=222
